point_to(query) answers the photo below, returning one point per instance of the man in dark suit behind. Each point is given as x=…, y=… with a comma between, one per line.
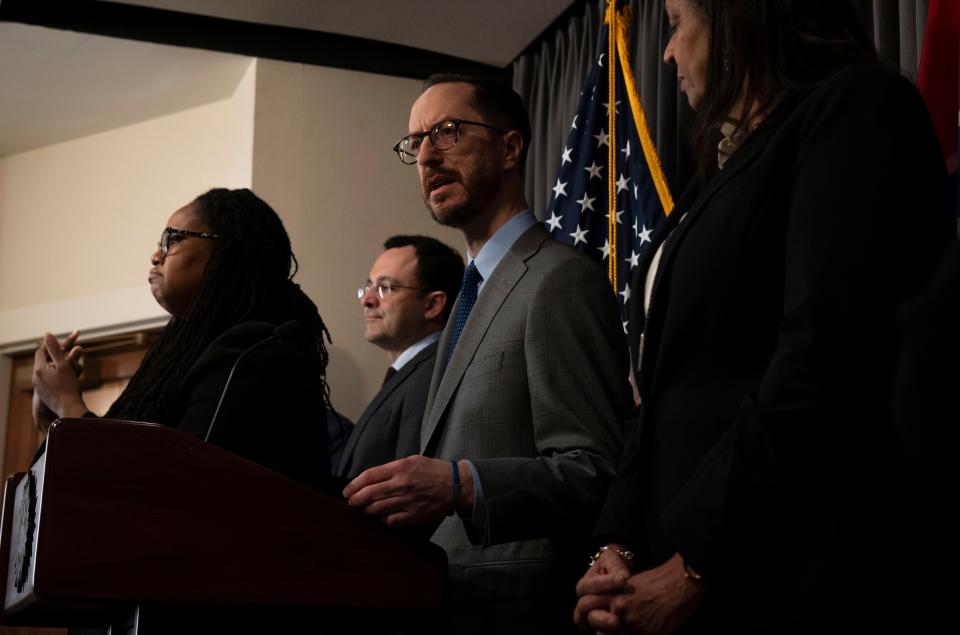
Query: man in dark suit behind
x=406, y=302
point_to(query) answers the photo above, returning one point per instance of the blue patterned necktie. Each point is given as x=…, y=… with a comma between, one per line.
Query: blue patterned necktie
x=468, y=297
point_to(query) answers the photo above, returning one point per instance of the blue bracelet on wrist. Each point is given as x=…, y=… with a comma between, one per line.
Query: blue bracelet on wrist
x=456, y=488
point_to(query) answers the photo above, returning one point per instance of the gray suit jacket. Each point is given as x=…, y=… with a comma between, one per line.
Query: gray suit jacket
x=390, y=426
x=534, y=396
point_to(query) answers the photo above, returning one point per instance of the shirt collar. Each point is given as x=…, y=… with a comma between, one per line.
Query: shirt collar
x=494, y=249
x=414, y=349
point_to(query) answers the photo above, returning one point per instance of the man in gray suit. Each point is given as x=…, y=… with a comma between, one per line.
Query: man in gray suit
x=521, y=434
x=406, y=302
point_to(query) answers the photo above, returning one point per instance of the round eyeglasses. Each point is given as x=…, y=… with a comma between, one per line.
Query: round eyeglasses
x=171, y=236
x=384, y=288
x=443, y=136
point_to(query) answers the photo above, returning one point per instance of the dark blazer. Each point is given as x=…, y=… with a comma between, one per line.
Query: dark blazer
x=925, y=404
x=389, y=428
x=534, y=396
x=763, y=452
x=926, y=412
x=271, y=412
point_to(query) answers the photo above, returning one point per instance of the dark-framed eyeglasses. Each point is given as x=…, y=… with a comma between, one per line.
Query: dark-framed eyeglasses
x=443, y=136
x=172, y=236
x=384, y=288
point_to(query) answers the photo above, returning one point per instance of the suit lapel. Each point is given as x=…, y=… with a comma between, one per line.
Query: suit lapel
x=638, y=315
x=388, y=389
x=737, y=163
x=740, y=160
x=504, y=278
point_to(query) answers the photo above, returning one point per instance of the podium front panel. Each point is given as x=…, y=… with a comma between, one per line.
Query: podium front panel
x=121, y=514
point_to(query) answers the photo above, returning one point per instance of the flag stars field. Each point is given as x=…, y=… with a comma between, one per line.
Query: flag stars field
x=586, y=203
x=619, y=214
x=605, y=250
x=594, y=170
x=560, y=189
x=554, y=221
x=579, y=236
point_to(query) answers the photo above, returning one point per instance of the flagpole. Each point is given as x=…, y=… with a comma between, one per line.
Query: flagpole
x=612, y=30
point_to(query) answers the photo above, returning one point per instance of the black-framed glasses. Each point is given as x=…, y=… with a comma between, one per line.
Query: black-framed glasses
x=443, y=136
x=384, y=288
x=172, y=236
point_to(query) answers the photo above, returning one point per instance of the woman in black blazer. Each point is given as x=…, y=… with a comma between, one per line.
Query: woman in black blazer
x=761, y=485
x=223, y=271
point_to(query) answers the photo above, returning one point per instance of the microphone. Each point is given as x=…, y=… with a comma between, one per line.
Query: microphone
x=290, y=335
x=286, y=334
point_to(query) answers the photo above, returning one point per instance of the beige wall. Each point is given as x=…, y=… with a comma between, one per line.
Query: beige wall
x=322, y=158
x=79, y=220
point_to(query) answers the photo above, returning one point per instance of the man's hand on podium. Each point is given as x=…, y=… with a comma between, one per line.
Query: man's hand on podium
x=416, y=490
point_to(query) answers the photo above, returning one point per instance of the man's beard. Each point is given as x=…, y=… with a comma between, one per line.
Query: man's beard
x=458, y=216
x=477, y=194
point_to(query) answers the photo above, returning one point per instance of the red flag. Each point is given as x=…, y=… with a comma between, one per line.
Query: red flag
x=939, y=76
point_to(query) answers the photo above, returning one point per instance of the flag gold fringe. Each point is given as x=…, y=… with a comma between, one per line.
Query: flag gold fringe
x=640, y=118
x=617, y=52
x=612, y=20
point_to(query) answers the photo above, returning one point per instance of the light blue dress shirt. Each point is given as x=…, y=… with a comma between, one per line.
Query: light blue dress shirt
x=411, y=351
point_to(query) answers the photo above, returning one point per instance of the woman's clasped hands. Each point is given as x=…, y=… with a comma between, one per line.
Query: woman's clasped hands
x=656, y=601
x=56, y=385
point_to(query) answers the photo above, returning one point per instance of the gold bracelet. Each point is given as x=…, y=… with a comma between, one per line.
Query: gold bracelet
x=626, y=554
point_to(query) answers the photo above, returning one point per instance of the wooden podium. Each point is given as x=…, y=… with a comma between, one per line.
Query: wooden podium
x=152, y=530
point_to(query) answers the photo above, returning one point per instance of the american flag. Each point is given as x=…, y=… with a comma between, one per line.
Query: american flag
x=578, y=211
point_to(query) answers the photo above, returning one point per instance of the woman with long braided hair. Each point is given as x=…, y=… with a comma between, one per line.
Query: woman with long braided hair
x=242, y=361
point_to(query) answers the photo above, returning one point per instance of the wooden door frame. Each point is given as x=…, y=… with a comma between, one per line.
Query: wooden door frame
x=6, y=383
x=9, y=351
